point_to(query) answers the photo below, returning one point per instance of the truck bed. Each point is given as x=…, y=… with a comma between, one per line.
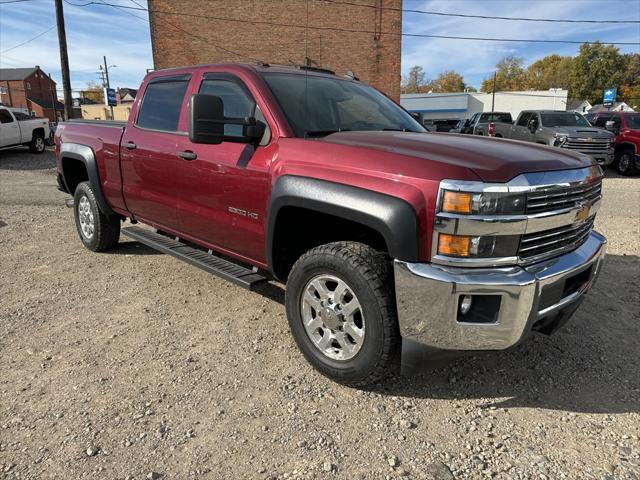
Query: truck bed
x=103, y=137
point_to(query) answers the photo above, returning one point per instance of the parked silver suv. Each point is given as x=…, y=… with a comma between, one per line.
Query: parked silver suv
x=558, y=128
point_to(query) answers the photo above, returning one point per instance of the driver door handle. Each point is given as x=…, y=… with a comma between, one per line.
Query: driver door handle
x=130, y=146
x=187, y=155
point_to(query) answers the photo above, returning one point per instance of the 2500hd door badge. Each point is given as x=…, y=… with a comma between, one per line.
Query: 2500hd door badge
x=243, y=213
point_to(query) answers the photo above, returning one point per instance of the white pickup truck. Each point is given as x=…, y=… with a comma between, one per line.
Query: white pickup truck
x=30, y=132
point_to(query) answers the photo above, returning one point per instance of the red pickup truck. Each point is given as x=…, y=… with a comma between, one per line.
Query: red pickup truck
x=626, y=127
x=383, y=232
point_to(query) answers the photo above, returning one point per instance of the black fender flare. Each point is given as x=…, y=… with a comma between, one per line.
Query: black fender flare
x=395, y=219
x=87, y=156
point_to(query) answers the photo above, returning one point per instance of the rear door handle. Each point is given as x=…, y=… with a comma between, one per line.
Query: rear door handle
x=187, y=155
x=130, y=146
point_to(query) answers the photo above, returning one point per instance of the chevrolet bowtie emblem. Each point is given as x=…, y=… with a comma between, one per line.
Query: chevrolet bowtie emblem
x=583, y=213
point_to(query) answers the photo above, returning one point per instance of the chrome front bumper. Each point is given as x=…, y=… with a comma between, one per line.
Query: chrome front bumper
x=428, y=296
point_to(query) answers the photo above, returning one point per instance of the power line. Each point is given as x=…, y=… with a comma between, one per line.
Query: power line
x=485, y=17
x=30, y=40
x=139, y=7
x=347, y=30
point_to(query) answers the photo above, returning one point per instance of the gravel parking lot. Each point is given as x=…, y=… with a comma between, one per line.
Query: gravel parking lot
x=133, y=365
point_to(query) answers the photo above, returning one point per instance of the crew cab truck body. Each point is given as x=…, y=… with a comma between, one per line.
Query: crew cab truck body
x=557, y=128
x=381, y=231
x=626, y=127
x=31, y=133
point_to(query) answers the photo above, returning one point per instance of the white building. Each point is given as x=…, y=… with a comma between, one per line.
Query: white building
x=458, y=106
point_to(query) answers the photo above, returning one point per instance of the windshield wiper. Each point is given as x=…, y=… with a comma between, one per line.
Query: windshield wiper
x=323, y=133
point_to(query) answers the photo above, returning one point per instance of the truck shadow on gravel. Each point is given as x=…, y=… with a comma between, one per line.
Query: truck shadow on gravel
x=590, y=366
x=23, y=159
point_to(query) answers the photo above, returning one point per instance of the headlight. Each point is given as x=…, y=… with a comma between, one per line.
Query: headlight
x=559, y=141
x=466, y=246
x=485, y=203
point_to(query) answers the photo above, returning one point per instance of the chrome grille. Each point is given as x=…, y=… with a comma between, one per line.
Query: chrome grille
x=547, y=243
x=557, y=198
x=587, y=144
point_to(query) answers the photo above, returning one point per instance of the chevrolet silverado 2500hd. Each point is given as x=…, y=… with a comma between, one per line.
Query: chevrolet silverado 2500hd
x=31, y=133
x=557, y=128
x=380, y=230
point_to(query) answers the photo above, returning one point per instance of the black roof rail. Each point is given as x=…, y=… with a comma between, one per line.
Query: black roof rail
x=315, y=69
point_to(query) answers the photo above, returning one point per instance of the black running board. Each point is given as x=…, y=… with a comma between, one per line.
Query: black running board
x=230, y=271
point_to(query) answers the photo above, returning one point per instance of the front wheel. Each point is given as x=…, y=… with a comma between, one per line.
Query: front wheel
x=625, y=164
x=341, y=311
x=37, y=144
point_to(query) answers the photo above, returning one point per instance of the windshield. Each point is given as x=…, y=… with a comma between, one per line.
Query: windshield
x=633, y=121
x=332, y=105
x=563, y=119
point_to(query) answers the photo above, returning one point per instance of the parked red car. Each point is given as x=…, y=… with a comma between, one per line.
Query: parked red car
x=626, y=126
x=381, y=231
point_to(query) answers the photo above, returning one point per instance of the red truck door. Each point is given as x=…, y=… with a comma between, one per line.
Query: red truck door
x=223, y=189
x=148, y=152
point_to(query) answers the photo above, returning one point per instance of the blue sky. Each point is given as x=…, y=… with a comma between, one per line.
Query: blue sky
x=95, y=30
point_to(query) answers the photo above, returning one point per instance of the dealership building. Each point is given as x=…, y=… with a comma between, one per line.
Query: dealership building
x=458, y=106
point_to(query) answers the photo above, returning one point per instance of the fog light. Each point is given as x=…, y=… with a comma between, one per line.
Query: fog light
x=465, y=304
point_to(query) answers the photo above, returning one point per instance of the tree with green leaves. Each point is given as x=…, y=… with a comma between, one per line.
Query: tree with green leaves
x=552, y=71
x=595, y=68
x=448, y=81
x=510, y=75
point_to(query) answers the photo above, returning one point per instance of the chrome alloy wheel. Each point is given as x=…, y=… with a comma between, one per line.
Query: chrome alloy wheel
x=332, y=317
x=39, y=144
x=85, y=215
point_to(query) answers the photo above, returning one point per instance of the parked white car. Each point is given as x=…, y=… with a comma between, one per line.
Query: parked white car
x=31, y=132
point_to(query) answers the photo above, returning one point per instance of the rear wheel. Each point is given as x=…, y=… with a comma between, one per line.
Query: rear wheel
x=37, y=144
x=625, y=164
x=97, y=231
x=341, y=311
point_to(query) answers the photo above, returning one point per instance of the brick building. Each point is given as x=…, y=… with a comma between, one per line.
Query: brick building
x=364, y=39
x=32, y=90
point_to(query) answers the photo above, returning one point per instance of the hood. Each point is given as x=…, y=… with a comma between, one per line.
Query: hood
x=492, y=159
x=580, y=131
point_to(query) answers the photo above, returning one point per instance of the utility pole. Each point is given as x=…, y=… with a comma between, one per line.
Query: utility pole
x=64, y=60
x=106, y=76
x=53, y=101
x=493, y=95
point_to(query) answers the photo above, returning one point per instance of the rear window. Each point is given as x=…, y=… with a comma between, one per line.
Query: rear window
x=161, y=105
x=633, y=121
x=497, y=117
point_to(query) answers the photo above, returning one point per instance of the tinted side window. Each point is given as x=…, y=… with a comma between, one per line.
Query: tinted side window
x=160, y=109
x=21, y=116
x=524, y=119
x=5, y=116
x=484, y=118
x=602, y=120
x=235, y=100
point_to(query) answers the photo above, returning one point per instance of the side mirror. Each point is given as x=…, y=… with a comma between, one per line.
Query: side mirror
x=611, y=126
x=207, y=121
x=417, y=116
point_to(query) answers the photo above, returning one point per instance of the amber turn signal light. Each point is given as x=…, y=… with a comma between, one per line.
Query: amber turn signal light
x=453, y=245
x=456, y=202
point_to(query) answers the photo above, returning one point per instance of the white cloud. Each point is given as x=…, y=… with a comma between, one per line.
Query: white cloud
x=476, y=60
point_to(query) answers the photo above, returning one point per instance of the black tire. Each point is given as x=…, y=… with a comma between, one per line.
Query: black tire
x=625, y=163
x=369, y=275
x=106, y=228
x=37, y=143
